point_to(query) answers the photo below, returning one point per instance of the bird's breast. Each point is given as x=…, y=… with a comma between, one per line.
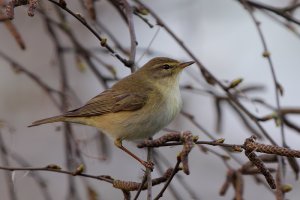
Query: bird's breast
x=171, y=105
x=160, y=109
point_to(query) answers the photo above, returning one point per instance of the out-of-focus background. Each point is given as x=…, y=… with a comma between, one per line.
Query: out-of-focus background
x=222, y=36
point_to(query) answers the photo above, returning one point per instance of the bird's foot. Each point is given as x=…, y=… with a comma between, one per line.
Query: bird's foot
x=148, y=164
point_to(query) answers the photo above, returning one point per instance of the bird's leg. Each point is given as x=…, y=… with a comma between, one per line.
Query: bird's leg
x=118, y=143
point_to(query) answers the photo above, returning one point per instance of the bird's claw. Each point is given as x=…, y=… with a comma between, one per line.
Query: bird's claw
x=149, y=165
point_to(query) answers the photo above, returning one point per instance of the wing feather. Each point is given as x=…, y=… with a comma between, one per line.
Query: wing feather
x=110, y=101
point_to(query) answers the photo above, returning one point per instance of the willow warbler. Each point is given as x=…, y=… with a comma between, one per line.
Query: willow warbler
x=136, y=107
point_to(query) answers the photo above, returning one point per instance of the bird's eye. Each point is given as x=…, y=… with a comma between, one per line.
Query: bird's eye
x=166, y=66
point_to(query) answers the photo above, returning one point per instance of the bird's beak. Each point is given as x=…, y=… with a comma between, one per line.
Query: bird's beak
x=185, y=64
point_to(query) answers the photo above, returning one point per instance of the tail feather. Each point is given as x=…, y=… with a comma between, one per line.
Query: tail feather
x=59, y=118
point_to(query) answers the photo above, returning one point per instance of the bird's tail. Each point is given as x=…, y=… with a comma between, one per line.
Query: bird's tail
x=59, y=118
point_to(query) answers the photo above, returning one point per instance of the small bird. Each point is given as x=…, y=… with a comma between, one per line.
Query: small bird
x=136, y=107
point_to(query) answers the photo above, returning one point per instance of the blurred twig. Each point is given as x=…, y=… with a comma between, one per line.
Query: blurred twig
x=5, y=161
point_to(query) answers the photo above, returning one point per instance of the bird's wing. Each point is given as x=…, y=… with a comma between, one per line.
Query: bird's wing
x=110, y=101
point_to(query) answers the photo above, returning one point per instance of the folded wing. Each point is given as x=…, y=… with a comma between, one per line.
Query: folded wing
x=110, y=101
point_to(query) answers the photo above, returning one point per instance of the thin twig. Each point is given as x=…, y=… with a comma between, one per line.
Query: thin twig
x=35, y=78
x=277, y=11
x=141, y=187
x=175, y=170
x=133, y=43
x=148, y=172
x=102, y=40
x=42, y=183
x=5, y=161
x=50, y=168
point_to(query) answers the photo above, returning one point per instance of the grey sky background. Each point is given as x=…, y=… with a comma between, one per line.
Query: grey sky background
x=220, y=33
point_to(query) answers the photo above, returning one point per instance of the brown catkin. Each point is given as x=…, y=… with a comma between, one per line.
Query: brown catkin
x=162, y=140
x=260, y=165
x=251, y=145
x=133, y=186
x=238, y=184
x=228, y=181
x=32, y=6
x=282, y=151
x=188, y=144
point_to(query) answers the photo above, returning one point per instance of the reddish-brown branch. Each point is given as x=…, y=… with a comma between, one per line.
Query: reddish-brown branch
x=277, y=11
x=174, y=172
x=103, y=41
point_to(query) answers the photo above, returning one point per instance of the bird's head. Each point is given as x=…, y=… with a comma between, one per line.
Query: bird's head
x=163, y=70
